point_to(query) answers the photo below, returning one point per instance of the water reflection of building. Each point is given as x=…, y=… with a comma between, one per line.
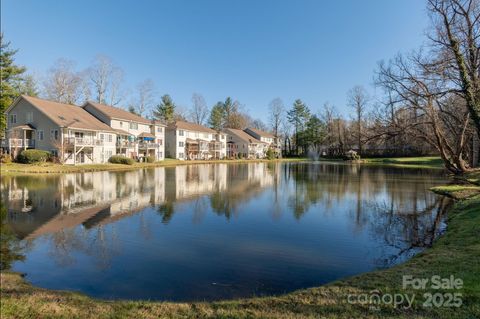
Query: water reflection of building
x=68, y=200
x=41, y=205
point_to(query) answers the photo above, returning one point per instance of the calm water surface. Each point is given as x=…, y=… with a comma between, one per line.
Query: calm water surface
x=216, y=231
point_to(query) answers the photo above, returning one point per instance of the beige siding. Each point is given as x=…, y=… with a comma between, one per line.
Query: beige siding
x=40, y=121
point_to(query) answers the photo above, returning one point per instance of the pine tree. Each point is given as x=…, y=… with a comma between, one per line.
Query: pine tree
x=298, y=116
x=165, y=111
x=12, y=80
x=216, y=117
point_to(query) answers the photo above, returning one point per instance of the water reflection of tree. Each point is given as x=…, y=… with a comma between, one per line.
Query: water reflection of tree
x=310, y=184
x=97, y=242
x=403, y=233
x=11, y=248
x=166, y=211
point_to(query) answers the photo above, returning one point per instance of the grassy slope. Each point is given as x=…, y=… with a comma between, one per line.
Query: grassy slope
x=17, y=168
x=456, y=253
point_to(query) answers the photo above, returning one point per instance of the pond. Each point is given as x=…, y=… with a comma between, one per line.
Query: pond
x=217, y=231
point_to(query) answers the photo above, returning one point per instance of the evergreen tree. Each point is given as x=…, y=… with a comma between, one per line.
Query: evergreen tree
x=315, y=133
x=165, y=111
x=298, y=116
x=13, y=80
x=217, y=117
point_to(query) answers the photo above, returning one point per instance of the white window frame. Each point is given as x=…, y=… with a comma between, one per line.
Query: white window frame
x=13, y=118
x=40, y=135
x=181, y=133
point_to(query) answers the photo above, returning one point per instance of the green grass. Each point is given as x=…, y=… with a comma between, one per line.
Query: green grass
x=17, y=168
x=456, y=253
x=457, y=191
x=418, y=162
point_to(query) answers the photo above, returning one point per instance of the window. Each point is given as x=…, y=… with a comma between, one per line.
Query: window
x=121, y=124
x=79, y=134
x=133, y=126
x=40, y=135
x=102, y=137
x=160, y=154
x=205, y=135
x=13, y=118
x=54, y=153
x=54, y=134
x=181, y=133
x=110, y=138
x=159, y=141
x=180, y=155
x=29, y=117
x=159, y=129
x=181, y=144
x=222, y=137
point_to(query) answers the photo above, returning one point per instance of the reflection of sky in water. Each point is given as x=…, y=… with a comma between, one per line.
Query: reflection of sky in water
x=218, y=231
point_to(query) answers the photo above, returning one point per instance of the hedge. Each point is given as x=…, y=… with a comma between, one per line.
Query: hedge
x=33, y=156
x=119, y=159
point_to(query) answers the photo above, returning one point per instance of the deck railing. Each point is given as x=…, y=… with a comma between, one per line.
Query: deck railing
x=18, y=142
x=147, y=145
x=126, y=144
x=83, y=141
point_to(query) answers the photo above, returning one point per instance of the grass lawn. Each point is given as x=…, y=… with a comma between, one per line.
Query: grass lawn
x=456, y=253
x=16, y=168
x=419, y=162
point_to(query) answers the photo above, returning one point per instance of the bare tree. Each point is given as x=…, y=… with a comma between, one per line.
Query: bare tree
x=199, y=111
x=258, y=124
x=428, y=111
x=117, y=93
x=106, y=79
x=181, y=113
x=357, y=100
x=145, y=98
x=277, y=115
x=64, y=84
x=456, y=44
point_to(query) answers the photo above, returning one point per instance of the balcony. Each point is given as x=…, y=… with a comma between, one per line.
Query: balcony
x=215, y=146
x=18, y=142
x=148, y=145
x=82, y=141
x=125, y=144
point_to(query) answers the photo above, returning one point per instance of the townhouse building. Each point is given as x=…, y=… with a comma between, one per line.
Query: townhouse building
x=242, y=144
x=94, y=132
x=190, y=141
x=137, y=137
x=67, y=131
x=88, y=134
x=273, y=142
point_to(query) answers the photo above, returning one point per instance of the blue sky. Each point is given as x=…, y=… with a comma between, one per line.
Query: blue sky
x=251, y=50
